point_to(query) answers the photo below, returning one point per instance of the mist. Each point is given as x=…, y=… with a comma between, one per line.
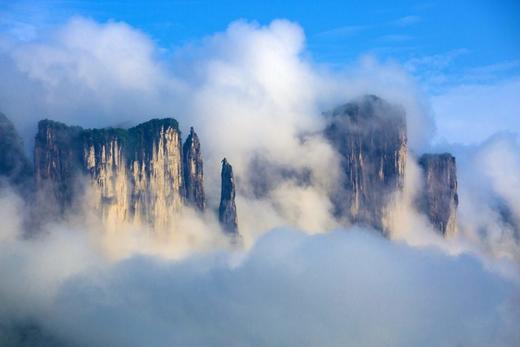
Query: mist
x=301, y=276
x=349, y=287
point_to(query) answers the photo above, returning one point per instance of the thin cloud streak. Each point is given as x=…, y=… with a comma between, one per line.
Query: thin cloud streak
x=341, y=32
x=407, y=21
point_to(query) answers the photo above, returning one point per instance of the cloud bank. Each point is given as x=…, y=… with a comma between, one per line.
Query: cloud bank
x=342, y=288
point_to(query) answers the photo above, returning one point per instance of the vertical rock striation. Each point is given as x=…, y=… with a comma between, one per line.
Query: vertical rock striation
x=370, y=136
x=227, y=211
x=14, y=165
x=135, y=175
x=104, y=159
x=193, y=171
x=155, y=162
x=439, y=199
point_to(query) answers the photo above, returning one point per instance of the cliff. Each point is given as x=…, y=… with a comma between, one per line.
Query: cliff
x=56, y=163
x=135, y=175
x=439, y=200
x=193, y=171
x=145, y=175
x=14, y=165
x=227, y=211
x=370, y=137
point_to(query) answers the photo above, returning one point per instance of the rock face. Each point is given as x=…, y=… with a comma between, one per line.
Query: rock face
x=370, y=137
x=135, y=174
x=193, y=171
x=145, y=175
x=440, y=200
x=14, y=165
x=227, y=211
x=56, y=162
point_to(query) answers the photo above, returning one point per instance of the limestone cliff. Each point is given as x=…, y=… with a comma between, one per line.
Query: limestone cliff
x=370, y=137
x=227, y=211
x=145, y=175
x=193, y=171
x=155, y=162
x=439, y=199
x=135, y=175
x=104, y=159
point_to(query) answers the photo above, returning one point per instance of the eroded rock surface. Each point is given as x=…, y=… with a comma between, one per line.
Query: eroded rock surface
x=370, y=136
x=135, y=175
x=440, y=199
x=193, y=171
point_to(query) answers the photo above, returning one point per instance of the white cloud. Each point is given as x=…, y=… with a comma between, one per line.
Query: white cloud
x=434, y=63
x=343, y=288
x=489, y=210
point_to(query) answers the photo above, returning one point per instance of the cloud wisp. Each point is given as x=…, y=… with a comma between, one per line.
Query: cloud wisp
x=342, y=288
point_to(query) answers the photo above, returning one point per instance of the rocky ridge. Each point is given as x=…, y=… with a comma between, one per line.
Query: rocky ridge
x=145, y=174
x=370, y=136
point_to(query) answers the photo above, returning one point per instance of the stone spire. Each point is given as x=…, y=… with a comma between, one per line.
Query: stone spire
x=193, y=171
x=227, y=211
x=439, y=199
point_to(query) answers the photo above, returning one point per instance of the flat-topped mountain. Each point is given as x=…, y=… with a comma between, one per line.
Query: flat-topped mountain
x=146, y=175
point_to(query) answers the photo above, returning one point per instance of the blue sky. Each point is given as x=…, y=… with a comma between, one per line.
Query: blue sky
x=448, y=46
x=486, y=32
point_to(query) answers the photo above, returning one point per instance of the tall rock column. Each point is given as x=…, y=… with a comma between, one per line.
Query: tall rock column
x=440, y=199
x=193, y=171
x=227, y=211
x=370, y=137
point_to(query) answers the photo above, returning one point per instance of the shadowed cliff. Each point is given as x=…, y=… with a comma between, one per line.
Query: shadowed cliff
x=370, y=136
x=14, y=165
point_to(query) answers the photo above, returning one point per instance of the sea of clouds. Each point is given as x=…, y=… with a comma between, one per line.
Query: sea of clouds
x=301, y=277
